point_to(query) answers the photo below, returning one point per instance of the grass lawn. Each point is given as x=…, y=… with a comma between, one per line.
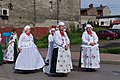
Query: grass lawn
x=42, y=43
x=75, y=38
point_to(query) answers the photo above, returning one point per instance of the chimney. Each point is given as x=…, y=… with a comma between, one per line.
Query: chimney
x=101, y=5
x=91, y=6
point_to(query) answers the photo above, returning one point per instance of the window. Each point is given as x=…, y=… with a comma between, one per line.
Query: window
x=51, y=4
x=102, y=23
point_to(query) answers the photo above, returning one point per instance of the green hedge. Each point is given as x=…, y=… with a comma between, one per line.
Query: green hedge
x=115, y=50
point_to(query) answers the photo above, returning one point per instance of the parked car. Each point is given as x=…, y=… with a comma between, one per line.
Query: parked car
x=117, y=26
x=117, y=31
x=106, y=34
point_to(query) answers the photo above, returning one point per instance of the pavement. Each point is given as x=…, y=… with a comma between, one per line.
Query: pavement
x=108, y=70
x=106, y=58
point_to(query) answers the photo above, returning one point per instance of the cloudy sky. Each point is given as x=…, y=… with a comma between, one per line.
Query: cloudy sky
x=114, y=5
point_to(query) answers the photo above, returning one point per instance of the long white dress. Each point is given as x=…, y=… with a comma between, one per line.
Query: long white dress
x=46, y=68
x=29, y=58
x=64, y=61
x=90, y=54
x=9, y=53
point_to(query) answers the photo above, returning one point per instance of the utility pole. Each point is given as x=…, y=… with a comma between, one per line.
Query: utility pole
x=34, y=13
x=57, y=11
x=80, y=14
x=79, y=27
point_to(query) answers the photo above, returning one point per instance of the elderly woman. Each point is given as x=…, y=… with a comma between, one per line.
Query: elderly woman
x=1, y=54
x=61, y=62
x=46, y=68
x=11, y=51
x=29, y=59
x=90, y=58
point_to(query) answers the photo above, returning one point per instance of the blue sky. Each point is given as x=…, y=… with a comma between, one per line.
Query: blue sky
x=114, y=5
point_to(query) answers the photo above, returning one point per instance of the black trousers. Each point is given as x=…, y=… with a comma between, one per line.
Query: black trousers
x=54, y=60
x=15, y=52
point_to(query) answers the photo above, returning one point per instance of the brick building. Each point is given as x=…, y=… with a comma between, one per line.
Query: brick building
x=95, y=11
x=92, y=13
x=19, y=12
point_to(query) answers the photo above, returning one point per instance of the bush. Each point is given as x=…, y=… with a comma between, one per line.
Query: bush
x=72, y=27
x=115, y=50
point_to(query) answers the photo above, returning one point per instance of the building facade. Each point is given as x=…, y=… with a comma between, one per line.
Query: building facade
x=109, y=20
x=95, y=11
x=22, y=12
x=92, y=12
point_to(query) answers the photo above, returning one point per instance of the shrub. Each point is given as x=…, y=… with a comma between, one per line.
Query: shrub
x=115, y=50
x=72, y=27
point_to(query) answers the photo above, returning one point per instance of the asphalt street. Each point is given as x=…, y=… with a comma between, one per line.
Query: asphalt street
x=106, y=72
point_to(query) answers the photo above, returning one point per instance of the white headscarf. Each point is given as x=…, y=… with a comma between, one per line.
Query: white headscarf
x=61, y=24
x=88, y=25
x=53, y=29
x=26, y=27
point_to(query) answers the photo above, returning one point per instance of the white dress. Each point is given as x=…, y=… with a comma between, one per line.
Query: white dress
x=46, y=68
x=90, y=54
x=29, y=58
x=9, y=53
x=64, y=61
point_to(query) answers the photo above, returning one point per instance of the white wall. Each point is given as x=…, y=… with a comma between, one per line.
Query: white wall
x=105, y=20
x=84, y=19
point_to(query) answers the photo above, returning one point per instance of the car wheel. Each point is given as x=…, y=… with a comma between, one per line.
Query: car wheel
x=108, y=38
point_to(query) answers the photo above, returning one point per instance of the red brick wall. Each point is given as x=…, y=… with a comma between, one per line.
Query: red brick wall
x=37, y=32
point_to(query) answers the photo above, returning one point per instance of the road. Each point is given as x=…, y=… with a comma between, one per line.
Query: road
x=106, y=72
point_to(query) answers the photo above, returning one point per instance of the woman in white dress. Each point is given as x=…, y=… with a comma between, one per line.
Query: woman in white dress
x=29, y=59
x=46, y=68
x=90, y=59
x=11, y=50
x=61, y=62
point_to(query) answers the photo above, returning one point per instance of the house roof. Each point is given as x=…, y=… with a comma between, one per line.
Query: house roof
x=101, y=8
x=112, y=16
x=98, y=8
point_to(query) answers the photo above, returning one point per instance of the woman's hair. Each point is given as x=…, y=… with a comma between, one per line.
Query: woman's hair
x=13, y=30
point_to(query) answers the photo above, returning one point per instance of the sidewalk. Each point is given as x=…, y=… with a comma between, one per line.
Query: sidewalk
x=105, y=57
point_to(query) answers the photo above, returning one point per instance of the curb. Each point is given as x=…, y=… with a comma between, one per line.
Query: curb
x=110, y=62
x=101, y=62
x=107, y=59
